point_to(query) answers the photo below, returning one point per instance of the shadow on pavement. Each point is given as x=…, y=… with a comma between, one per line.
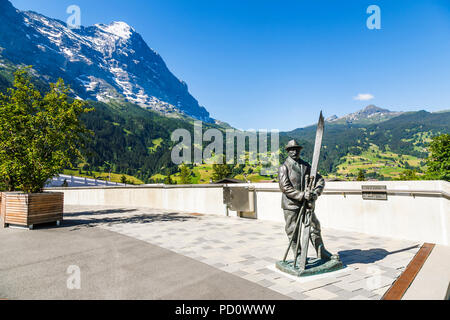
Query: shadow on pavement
x=97, y=212
x=367, y=256
x=89, y=219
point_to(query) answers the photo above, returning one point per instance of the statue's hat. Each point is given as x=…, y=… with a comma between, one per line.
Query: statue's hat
x=293, y=145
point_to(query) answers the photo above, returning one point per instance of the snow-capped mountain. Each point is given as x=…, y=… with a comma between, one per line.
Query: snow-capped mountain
x=370, y=114
x=100, y=62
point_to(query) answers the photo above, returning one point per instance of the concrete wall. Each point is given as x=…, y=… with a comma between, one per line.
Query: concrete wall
x=414, y=210
x=199, y=199
x=421, y=215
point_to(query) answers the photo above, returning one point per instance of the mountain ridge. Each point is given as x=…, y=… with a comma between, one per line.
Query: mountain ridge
x=369, y=114
x=100, y=62
x=137, y=141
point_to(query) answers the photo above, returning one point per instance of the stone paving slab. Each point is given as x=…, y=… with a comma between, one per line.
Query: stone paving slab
x=433, y=280
x=249, y=248
x=35, y=265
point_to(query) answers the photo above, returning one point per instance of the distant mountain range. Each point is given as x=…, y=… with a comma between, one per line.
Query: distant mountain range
x=138, y=103
x=370, y=114
x=100, y=62
x=374, y=136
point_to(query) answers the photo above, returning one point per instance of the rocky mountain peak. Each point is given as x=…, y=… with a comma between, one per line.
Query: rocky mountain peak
x=370, y=114
x=6, y=5
x=332, y=118
x=100, y=62
x=7, y=9
x=117, y=28
x=373, y=109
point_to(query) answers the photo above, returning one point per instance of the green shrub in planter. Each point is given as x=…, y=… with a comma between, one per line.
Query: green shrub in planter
x=40, y=135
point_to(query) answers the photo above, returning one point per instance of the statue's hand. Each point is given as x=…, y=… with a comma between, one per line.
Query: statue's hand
x=311, y=196
x=308, y=195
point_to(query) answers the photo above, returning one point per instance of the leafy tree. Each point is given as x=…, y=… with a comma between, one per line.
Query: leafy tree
x=39, y=135
x=238, y=169
x=168, y=180
x=185, y=174
x=123, y=179
x=409, y=175
x=361, y=176
x=221, y=170
x=438, y=163
x=374, y=175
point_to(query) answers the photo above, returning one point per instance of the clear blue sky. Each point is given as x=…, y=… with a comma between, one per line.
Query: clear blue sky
x=274, y=64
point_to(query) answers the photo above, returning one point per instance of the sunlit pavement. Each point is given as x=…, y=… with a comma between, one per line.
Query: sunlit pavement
x=249, y=249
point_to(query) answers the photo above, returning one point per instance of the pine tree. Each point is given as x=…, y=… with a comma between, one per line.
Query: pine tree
x=185, y=174
x=221, y=170
x=361, y=176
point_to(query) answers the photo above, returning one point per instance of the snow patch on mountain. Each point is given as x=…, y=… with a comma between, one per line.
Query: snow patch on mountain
x=100, y=62
x=370, y=113
x=119, y=28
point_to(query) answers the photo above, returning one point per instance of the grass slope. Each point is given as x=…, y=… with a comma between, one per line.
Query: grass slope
x=384, y=163
x=115, y=177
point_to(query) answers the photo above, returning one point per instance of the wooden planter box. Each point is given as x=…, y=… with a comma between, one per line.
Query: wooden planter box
x=21, y=209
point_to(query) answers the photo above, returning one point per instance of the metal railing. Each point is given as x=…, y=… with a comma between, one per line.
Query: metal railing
x=344, y=192
x=74, y=181
x=327, y=191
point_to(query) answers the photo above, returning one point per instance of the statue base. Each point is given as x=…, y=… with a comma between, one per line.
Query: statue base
x=314, y=266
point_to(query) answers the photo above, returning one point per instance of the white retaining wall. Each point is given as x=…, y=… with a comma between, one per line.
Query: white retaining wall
x=418, y=216
x=421, y=215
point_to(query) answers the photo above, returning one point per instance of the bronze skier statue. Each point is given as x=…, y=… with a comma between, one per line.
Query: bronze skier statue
x=301, y=186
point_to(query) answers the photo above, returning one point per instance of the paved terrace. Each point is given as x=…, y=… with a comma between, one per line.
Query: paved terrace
x=141, y=253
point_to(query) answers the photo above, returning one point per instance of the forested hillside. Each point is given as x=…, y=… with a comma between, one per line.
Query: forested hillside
x=127, y=138
x=405, y=135
x=131, y=140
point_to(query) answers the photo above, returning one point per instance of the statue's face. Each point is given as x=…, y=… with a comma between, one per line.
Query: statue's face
x=294, y=153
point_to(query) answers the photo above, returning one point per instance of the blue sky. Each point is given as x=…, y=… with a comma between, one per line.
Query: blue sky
x=274, y=64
